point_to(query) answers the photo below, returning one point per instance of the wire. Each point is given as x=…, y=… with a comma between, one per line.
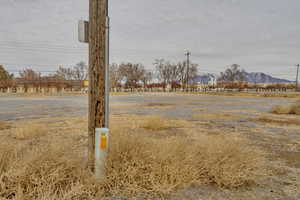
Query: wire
x=31, y=64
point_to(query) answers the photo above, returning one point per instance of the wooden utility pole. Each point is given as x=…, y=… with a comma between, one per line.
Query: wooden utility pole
x=97, y=61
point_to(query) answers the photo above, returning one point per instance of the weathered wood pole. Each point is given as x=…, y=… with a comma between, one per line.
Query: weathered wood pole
x=97, y=46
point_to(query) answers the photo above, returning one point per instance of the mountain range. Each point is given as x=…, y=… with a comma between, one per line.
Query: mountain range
x=259, y=77
x=253, y=77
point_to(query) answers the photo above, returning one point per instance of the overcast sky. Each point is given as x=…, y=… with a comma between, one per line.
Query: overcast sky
x=260, y=35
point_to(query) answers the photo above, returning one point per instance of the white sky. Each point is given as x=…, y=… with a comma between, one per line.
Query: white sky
x=260, y=35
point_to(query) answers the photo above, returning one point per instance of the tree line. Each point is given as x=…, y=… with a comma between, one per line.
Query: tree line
x=134, y=75
x=166, y=73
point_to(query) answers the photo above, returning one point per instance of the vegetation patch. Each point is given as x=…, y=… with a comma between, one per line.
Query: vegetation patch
x=199, y=109
x=28, y=131
x=155, y=123
x=4, y=125
x=158, y=123
x=267, y=119
x=293, y=109
x=138, y=165
x=159, y=106
x=215, y=116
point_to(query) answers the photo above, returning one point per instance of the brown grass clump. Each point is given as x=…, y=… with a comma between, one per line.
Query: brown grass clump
x=159, y=106
x=138, y=165
x=159, y=123
x=280, y=109
x=28, y=131
x=155, y=123
x=4, y=125
x=220, y=116
x=293, y=109
x=45, y=172
x=267, y=119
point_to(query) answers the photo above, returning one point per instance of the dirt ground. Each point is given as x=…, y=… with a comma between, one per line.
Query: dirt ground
x=277, y=135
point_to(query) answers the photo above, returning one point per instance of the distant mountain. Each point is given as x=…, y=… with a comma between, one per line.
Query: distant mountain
x=253, y=77
x=259, y=77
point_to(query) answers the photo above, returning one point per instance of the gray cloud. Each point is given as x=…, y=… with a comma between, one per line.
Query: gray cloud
x=261, y=35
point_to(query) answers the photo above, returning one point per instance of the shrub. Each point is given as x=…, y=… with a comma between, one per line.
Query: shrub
x=280, y=109
x=138, y=165
x=288, y=109
x=28, y=131
x=44, y=172
x=155, y=123
x=295, y=108
x=4, y=125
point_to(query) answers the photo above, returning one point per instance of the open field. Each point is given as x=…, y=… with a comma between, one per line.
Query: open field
x=167, y=146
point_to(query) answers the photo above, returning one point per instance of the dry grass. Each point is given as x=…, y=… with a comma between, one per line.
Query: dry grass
x=162, y=166
x=155, y=123
x=293, y=109
x=158, y=106
x=4, y=125
x=138, y=165
x=239, y=111
x=43, y=172
x=159, y=123
x=28, y=131
x=222, y=116
x=270, y=120
x=199, y=109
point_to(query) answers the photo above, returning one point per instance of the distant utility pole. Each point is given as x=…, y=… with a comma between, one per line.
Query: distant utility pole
x=297, y=76
x=98, y=60
x=188, y=68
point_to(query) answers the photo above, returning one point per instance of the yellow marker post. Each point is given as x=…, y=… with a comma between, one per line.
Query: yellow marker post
x=101, y=150
x=103, y=142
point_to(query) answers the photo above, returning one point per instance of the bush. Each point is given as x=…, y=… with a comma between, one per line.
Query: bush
x=45, y=172
x=141, y=164
x=293, y=109
x=28, y=131
x=4, y=125
x=155, y=123
x=138, y=164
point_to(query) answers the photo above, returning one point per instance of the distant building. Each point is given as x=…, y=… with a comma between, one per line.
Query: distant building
x=205, y=80
x=44, y=85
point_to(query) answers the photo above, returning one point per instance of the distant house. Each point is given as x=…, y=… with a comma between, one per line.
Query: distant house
x=44, y=85
x=205, y=80
x=78, y=85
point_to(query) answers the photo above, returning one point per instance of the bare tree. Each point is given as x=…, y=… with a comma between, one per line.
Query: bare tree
x=164, y=70
x=65, y=73
x=174, y=73
x=147, y=78
x=233, y=74
x=115, y=76
x=193, y=72
x=29, y=75
x=181, y=66
x=5, y=78
x=4, y=75
x=80, y=72
x=132, y=73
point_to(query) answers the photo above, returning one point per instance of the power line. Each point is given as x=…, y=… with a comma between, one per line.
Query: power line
x=34, y=43
x=34, y=64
